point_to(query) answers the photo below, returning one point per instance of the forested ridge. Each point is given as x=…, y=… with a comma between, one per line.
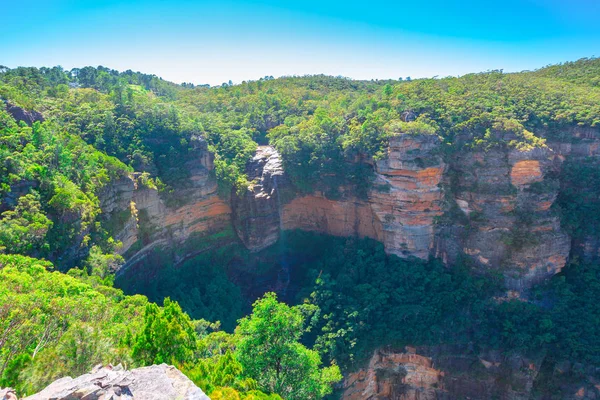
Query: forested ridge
x=60, y=313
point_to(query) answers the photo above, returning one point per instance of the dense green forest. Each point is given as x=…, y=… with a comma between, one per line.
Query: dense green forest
x=60, y=313
x=56, y=324
x=365, y=298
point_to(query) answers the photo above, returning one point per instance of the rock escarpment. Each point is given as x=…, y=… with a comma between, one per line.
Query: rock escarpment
x=144, y=220
x=506, y=196
x=400, y=206
x=494, y=205
x=434, y=373
x=457, y=372
x=256, y=212
x=156, y=382
x=389, y=375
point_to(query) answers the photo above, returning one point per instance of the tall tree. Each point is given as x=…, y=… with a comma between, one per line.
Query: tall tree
x=270, y=352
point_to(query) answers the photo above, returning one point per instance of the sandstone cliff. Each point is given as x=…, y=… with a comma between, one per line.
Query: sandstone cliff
x=256, y=212
x=406, y=196
x=506, y=196
x=143, y=220
x=458, y=372
x=494, y=205
x=399, y=209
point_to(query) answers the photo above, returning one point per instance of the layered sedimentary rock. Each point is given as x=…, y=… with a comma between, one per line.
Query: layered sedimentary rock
x=148, y=383
x=506, y=195
x=256, y=212
x=458, y=372
x=439, y=373
x=406, y=196
x=394, y=375
x=399, y=209
x=143, y=218
x=346, y=216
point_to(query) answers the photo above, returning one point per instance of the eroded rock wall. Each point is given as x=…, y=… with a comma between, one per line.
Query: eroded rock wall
x=506, y=196
x=400, y=208
x=256, y=212
x=347, y=216
x=395, y=375
x=495, y=205
x=406, y=196
x=439, y=373
x=459, y=372
x=144, y=220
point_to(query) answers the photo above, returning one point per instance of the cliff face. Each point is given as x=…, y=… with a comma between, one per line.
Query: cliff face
x=399, y=209
x=406, y=196
x=144, y=220
x=402, y=375
x=506, y=196
x=256, y=212
x=495, y=206
x=346, y=216
x=429, y=373
x=509, y=220
x=456, y=372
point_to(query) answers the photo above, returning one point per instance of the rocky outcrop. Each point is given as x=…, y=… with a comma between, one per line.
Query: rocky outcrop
x=400, y=208
x=8, y=394
x=506, y=196
x=406, y=195
x=142, y=219
x=457, y=372
x=157, y=382
x=424, y=373
x=389, y=375
x=256, y=212
x=20, y=114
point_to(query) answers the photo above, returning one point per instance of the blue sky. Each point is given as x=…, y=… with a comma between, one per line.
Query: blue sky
x=215, y=41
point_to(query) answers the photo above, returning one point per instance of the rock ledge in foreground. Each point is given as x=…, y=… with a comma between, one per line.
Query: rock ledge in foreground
x=156, y=382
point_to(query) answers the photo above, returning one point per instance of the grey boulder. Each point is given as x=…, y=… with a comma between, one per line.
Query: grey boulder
x=156, y=382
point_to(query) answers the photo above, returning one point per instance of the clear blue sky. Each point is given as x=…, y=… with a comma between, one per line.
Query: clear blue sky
x=215, y=41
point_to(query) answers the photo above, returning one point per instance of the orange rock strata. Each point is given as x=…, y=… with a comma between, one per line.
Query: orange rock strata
x=334, y=217
x=394, y=376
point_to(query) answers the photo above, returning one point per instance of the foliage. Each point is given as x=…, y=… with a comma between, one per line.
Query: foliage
x=53, y=324
x=200, y=285
x=578, y=198
x=270, y=352
x=167, y=336
x=23, y=230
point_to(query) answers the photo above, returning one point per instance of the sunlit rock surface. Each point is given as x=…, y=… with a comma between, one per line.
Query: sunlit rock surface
x=256, y=211
x=156, y=382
